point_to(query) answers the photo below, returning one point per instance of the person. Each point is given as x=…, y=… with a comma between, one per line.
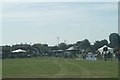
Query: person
x=106, y=56
x=99, y=55
x=83, y=55
x=29, y=56
x=110, y=56
x=119, y=56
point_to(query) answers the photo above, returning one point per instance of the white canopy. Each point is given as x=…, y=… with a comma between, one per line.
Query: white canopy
x=103, y=47
x=109, y=49
x=18, y=50
x=71, y=48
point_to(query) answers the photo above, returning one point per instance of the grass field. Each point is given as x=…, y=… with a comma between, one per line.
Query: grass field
x=0, y=68
x=45, y=67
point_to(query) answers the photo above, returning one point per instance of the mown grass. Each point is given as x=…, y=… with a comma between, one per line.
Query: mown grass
x=0, y=68
x=47, y=67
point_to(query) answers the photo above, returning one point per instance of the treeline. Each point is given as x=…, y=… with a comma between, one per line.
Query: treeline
x=114, y=42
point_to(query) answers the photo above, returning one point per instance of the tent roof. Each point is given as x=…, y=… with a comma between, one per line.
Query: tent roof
x=103, y=47
x=72, y=48
x=18, y=50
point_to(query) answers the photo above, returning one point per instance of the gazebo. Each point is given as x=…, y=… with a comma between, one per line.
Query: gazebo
x=72, y=51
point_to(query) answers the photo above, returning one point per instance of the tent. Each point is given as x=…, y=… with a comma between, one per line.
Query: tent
x=18, y=51
x=72, y=52
x=109, y=49
x=72, y=49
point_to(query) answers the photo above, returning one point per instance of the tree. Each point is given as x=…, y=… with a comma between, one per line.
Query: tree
x=114, y=39
x=63, y=46
x=43, y=48
x=53, y=47
x=85, y=44
x=99, y=44
x=78, y=42
x=46, y=45
x=69, y=45
x=6, y=51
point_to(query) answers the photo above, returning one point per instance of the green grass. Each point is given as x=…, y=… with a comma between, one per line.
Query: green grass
x=45, y=67
x=0, y=68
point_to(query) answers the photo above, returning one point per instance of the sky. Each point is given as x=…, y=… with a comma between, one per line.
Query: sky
x=43, y=22
x=59, y=0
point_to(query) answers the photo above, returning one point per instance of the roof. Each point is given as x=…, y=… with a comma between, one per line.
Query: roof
x=109, y=49
x=104, y=47
x=18, y=50
x=72, y=49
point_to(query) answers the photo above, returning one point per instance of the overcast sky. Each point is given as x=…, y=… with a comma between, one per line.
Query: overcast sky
x=71, y=21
